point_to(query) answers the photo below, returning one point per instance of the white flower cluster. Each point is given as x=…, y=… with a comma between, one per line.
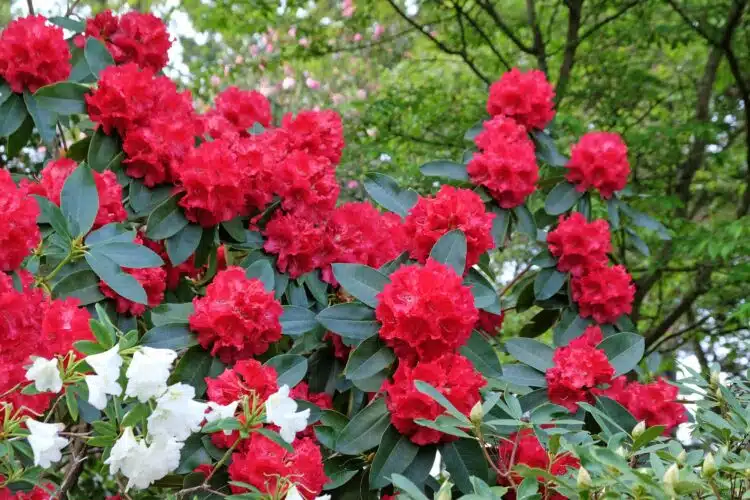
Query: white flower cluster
x=281, y=410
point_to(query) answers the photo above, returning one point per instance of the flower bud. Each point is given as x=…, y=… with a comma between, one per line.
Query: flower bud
x=477, y=413
x=670, y=478
x=584, y=479
x=445, y=491
x=682, y=457
x=715, y=379
x=709, y=465
x=639, y=429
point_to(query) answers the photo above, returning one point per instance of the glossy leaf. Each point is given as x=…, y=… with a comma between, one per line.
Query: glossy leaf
x=362, y=282
x=450, y=250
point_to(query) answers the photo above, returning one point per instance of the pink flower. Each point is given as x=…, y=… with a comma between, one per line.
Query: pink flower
x=215, y=80
x=361, y=94
x=347, y=8
x=377, y=31
x=288, y=83
x=352, y=184
x=292, y=32
x=304, y=42
x=358, y=37
x=312, y=84
x=338, y=99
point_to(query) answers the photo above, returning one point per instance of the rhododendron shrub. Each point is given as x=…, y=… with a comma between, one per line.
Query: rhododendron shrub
x=189, y=310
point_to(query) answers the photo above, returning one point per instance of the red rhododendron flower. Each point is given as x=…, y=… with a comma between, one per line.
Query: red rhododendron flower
x=33, y=54
x=37, y=493
x=527, y=97
x=109, y=190
x=301, y=245
x=174, y=273
x=243, y=108
x=214, y=190
x=19, y=234
x=246, y=377
x=451, y=374
x=64, y=323
x=217, y=126
x=599, y=161
x=237, y=318
x=156, y=152
x=425, y=311
x=340, y=350
x=579, y=244
x=524, y=448
x=133, y=38
x=257, y=157
x=499, y=131
x=264, y=462
x=655, y=402
x=509, y=172
x=318, y=133
x=153, y=281
x=489, y=322
x=604, y=293
x=306, y=185
x=449, y=209
x=578, y=368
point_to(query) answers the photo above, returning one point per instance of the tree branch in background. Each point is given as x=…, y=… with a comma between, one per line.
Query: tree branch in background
x=30, y=4
x=539, y=48
x=484, y=35
x=596, y=27
x=487, y=6
x=571, y=44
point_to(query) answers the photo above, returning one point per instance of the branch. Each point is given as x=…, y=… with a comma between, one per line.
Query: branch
x=483, y=35
x=606, y=21
x=571, y=44
x=75, y=467
x=487, y=6
x=30, y=3
x=539, y=48
x=439, y=44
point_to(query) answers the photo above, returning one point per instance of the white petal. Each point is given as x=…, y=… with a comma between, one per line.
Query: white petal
x=45, y=374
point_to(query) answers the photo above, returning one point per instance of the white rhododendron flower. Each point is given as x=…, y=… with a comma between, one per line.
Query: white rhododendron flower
x=45, y=374
x=45, y=442
x=125, y=454
x=148, y=373
x=143, y=464
x=176, y=415
x=219, y=412
x=281, y=410
x=107, y=367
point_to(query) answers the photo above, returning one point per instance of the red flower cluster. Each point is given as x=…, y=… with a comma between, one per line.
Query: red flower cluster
x=524, y=448
x=153, y=281
x=599, y=160
x=604, y=293
x=499, y=130
x=307, y=186
x=53, y=178
x=262, y=463
x=237, y=318
x=655, y=402
x=340, y=350
x=579, y=244
x=37, y=493
x=243, y=108
x=173, y=273
x=246, y=377
x=490, y=323
x=579, y=368
x=33, y=54
x=425, y=311
x=64, y=323
x=449, y=209
x=133, y=38
x=525, y=97
x=19, y=234
x=301, y=244
x=451, y=374
x=318, y=133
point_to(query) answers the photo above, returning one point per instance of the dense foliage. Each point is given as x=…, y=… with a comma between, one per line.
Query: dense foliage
x=189, y=312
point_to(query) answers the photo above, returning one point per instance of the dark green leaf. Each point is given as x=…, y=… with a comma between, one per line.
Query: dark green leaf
x=485, y=296
x=546, y=150
x=365, y=430
x=20, y=137
x=540, y=323
x=139, y=412
x=440, y=398
x=584, y=205
x=642, y=220
x=12, y=115
x=102, y=150
x=571, y=327
x=291, y=368
x=44, y=119
x=235, y=228
x=110, y=233
x=500, y=225
x=317, y=287
x=166, y=220
x=525, y=221
x=5, y=92
x=548, y=282
x=531, y=352
x=482, y=355
x=97, y=56
x=262, y=270
x=296, y=321
x=52, y=214
x=193, y=368
x=63, y=98
x=171, y=336
x=617, y=412
x=368, y=358
x=68, y=23
x=637, y=243
x=561, y=198
x=130, y=255
x=339, y=470
x=83, y=285
x=394, y=455
x=446, y=169
x=192, y=455
x=406, y=486
x=350, y=320
x=165, y=314
x=79, y=201
x=143, y=199
x=624, y=351
x=183, y=244
x=386, y=192
x=464, y=459
x=613, y=211
x=450, y=250
x=389, y=267
x=362, y=282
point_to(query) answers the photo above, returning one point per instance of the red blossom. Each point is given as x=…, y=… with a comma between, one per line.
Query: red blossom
x=155, y=153
x=509, y=172
x=306, y=185
x=318, y=133
x=490, y=323
x=153, y=281
x=173, y=273
x=257, y=157
x=451, y=208
x=600, y=161
x=262, y=463
x=19, y=233
x=65, y=323
x=33, y=54
x=425, y=311
x=340, y=350
x=301, y=245
x=36, y=493
x=243, y=108
x=499, y=131
x=604, y=293
x=237, y=318
x=451, y=374
x=579, y=244
x=246, y=377
x=527, y=97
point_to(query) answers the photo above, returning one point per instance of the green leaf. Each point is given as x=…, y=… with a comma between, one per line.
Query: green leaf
x=88, y=347
x=406, y=486
x=531, y=352
x=63, y=98
x=426, y=388
x=44, y=119
x=523, y=375
x=386, y=192
x=613, y=213
x=482, y=355
x=261, y=270
x=317, y=287
x=290, y=368
x=130, y=255
x=111, y=233
x=450, y=250
x=296, y=321
x=12, y=115
x=166, y=220
x=362, y=282
x=79, y=201
x=83, y=285
x=122, y=283
x=351, y=320
x=71, y=403
x=464, y=459
x=183, y=244
x=389, y=267
x=5, y=91
x=102, y=150
x=547, y=283
x=446, y=169
x=540, y=323
x=365, y=430
x=614, y=410
x=624, y=351
x=103, y=334
x=52, y=214
x=20, y=137
x=68, y=23
x=339, y=470
x=525, y=221
x=500, y=225
x=485, y=295
x=143, y=200
x=647, y=436
x=165, y=314
x=170, y=336
x=97, y=56
x=570, y=327
x=139, y=412
x=642, y=220
x=235, y=228
x=193, y=368
x=368, y=358
x=394, y=455
x=546, y=150
x=274, y=436
x=561, y=198
x=192, y=455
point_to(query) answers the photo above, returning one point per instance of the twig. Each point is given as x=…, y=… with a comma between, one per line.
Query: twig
x=62, y=137
x=30, y=3
x=75, y=467
x=71, y=7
